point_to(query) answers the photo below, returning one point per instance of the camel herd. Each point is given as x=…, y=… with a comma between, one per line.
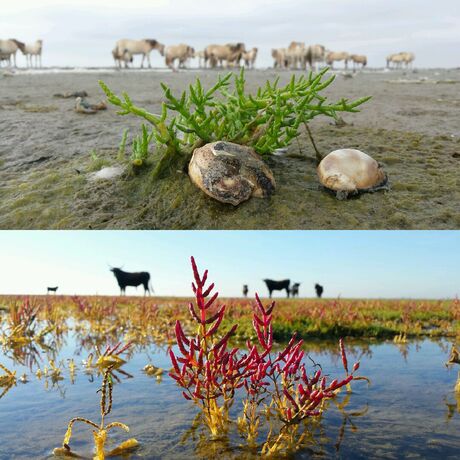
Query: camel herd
x=297, y=55
x=229, y=55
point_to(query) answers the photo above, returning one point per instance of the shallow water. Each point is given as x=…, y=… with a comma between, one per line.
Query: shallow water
x=409, y=410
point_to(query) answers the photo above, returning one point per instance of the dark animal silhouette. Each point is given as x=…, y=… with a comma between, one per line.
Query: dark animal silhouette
x=319, y=290
x=51, y=289
x=295, y=290
x=277, y=286
x=131, y=279
x=245, y=290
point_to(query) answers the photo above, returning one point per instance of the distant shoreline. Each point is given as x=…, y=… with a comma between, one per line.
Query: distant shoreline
x=90, y=69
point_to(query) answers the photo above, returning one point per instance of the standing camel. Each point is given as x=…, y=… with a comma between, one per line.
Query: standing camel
x=231, y=53
x=358, y=59
x=337, y=56
x=250, y=58
x=34, y=49
x=144, y=47
x=279, y=56
x=408, y=59
x=395, y=59
x=9, y=48
x=316, y=55
x=201, y=59
x=119, y=58
x=297, y=55
x=181, y=52
x=399, y=59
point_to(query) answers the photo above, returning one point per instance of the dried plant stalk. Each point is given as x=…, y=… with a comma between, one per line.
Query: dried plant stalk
x=100, y=431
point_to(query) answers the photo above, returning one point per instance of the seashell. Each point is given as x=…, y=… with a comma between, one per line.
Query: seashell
x=83, y=106
x=350, y=171
x=107, y=173
x=230, y=173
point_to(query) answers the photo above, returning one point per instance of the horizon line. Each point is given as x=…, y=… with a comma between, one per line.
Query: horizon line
x=228, y=297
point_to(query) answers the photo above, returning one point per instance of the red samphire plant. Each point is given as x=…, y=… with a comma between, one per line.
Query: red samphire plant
x=210, y=372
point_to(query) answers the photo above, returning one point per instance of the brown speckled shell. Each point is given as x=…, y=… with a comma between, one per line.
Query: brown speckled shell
x=230, y=173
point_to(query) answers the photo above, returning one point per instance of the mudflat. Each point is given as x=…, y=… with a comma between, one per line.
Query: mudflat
x=49, y=153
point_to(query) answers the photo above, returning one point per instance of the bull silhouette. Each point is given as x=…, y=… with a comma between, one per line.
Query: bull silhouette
x=277, y=286
x=132, y=279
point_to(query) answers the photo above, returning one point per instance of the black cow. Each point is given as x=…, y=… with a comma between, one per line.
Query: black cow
x=131, y=279
x=295, y=289
x=245, y=290
x=319, y=290
x=277, y=286
x=51, y=289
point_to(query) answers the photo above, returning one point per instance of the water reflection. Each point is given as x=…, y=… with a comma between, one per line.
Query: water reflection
x=312, y=436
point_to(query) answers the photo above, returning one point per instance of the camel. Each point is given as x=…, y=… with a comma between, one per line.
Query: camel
x=201, y=59
x=317, y=54
x=390, y=59
x=250, y=58
x=399, y=59
x=297, y=55
x=337, y=56
x=9, y=48
x=408, y=58
x=358, y=59
x=280, y=59
x=125, y=57
x=182, y=52
x=217, y=54
x=143, y=47
x=34, y=49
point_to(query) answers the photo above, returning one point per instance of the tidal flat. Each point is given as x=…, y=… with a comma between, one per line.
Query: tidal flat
x=48, y=153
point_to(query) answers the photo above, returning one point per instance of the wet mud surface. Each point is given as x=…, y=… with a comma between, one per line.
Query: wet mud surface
x=47, y=154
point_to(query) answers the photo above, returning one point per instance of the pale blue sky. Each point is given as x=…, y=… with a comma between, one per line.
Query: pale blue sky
x=350, y=264
x=83, y=32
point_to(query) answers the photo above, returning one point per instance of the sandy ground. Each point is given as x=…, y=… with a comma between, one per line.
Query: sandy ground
x=411, y=125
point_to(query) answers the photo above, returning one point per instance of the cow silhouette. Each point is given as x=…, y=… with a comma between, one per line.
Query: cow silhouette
x=51, y=289
x=319, y=290
x=295, y=290
x=125, y=279
x=277, y=286
x=245, y=290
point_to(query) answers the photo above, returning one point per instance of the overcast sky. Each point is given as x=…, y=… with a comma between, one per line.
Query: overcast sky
x=83, y=32
x=349, y=264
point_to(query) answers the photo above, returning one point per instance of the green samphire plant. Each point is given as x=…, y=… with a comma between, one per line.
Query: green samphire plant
x=267, y=120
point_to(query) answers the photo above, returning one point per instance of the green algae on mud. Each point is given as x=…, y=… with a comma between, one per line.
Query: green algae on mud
x=423, y=173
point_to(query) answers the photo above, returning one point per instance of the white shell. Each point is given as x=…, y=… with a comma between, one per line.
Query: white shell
x=350, y=171
x=230, y=173
x=108, y=173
